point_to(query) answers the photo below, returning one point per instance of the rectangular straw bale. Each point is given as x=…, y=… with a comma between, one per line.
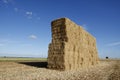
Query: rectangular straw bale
x=71, y=47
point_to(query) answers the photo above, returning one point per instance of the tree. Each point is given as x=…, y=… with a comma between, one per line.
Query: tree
x=107, y=57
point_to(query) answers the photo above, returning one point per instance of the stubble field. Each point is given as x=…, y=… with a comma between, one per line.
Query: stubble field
x=37, y=70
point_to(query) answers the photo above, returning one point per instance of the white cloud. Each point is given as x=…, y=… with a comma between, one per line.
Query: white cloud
x=114, y=44
x=33, y=36
x=29, y=14
x=26, y=13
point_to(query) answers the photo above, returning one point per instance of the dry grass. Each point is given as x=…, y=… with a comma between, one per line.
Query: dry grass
x=106, y=70
x=18, y=59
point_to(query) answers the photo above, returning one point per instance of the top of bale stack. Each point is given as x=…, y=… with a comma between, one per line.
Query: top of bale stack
x=64, y=20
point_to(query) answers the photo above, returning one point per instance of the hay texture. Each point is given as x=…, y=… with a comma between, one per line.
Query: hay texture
x=71, y=47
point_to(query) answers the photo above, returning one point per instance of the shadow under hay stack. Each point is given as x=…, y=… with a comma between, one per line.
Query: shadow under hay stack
x=71, y=47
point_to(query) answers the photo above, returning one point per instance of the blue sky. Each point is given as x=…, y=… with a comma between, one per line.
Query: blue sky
x=25, y=29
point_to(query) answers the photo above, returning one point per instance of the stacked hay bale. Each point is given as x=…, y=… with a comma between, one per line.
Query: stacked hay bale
x=71, y=47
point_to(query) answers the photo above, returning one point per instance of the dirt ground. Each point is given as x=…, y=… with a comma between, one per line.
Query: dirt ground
x=106, y=70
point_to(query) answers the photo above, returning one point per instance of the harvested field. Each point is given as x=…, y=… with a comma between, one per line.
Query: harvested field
x=106, y=70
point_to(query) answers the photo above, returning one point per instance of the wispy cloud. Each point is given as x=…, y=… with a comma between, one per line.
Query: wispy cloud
x=33, y=36
x=85, y=26
x=3, y=40
x=16, y=9
x=29, y=14
x=8, y=41
x=114, y=44
x=25, y=44
x=5, y=1
x=24, y=12
x=1, y=44
x=8, y=1
x=38, y=18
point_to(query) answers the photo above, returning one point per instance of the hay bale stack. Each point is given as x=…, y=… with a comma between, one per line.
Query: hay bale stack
x=71, y=47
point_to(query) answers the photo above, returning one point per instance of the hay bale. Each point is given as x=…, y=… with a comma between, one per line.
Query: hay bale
x=71, y=47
